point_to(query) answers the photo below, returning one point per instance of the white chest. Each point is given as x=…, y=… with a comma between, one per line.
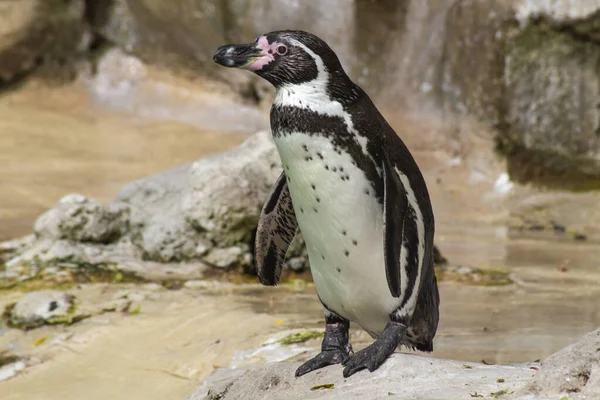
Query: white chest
x=342, y=224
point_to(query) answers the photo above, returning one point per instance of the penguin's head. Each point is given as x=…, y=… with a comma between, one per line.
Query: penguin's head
x=284, y=57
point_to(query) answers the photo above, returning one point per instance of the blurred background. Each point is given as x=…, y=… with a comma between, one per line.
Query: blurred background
x=116, y=194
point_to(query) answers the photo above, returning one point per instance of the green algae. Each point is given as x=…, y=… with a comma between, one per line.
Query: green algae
x=300, y=337
x=323, y=386
x=483, y=275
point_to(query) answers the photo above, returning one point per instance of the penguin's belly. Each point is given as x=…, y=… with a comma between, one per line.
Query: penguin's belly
x=342, y=224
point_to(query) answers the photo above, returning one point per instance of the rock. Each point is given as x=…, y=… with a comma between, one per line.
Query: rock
x=402, y=376
x=185, y=33
x=473, y=69
x=80, y=219
x=552, y=92
x=280, y=346
x=168, y=226
x=574, y=370
x=11, y=370
x=224, y=258
x=530, y=69
x=49, y=307
x=227, y=210
x=9, y=248
x=213, y=204
x=201, y=213
x=38, y=30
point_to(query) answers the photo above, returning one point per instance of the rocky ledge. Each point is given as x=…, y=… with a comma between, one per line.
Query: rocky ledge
x=571, y=373
x=183, y=224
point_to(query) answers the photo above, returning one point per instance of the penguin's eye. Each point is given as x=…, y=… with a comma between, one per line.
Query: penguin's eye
x=281, y=50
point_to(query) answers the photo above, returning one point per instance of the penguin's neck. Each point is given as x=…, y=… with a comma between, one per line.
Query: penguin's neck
x=308, y=95
x=312, y=96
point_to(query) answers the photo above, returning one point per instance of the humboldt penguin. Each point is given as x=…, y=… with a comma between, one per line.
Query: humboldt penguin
x=353, y=189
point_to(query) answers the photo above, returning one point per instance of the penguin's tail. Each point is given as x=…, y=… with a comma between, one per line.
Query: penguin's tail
x=425, y=319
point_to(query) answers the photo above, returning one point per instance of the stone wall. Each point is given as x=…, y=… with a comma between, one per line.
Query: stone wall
x=36, y=31
x=529, y=69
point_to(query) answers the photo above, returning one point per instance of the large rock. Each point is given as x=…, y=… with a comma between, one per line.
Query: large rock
x=36, y=30
x=204, y=213
x=552, y=91
x=532, y=70
x=402, y=376
x=573, y=372
x=474, y=49
x=212, y=204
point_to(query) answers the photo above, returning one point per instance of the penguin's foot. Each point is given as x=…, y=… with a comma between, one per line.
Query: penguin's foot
x=322, y=359
x=335, y=348
x=371, y=357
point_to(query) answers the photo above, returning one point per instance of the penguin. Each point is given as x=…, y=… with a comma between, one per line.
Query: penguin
x=353, y=189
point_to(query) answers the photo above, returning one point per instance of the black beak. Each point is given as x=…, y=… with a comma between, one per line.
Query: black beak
x=236, y=55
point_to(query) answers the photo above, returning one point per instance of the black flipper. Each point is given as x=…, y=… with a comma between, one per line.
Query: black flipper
x=277, y=227
x=395, y=204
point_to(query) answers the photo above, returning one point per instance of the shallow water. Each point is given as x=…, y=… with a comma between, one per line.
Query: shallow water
x=179, y=337
x=58, y=141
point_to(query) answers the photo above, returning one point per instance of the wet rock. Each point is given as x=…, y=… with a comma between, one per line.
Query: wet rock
x=537, y=222
x=184, y=34
x=49, y=307
x=574, y=371
x=36, y=31
x=400, y=377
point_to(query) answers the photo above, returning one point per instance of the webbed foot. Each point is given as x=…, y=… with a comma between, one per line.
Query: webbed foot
x=322, y=359
x=335, y=348
x=371, y=357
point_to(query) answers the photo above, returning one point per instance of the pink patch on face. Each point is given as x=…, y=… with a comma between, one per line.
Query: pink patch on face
x=268, y=52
